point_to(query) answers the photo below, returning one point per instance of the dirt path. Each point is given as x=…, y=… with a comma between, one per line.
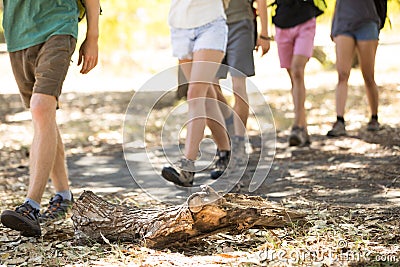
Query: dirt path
x=348, y=186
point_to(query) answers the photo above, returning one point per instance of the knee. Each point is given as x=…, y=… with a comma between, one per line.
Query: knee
x=43, y=108
x=297, y=73
x=343, y=76
x=196, y=90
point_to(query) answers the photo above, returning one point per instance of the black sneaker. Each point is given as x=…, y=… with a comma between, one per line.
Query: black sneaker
x=57, y=209
x=24, y=219
x=221, y=164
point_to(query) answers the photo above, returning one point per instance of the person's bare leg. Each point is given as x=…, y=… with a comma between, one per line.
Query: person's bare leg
x=215, y=121
x=186, y=67
x=200, y=71
x=367, y=51
x=59, y=173
x=44, y=144
x=223, y=104
x=345, y=48
x=241, y=106
x=296, y=73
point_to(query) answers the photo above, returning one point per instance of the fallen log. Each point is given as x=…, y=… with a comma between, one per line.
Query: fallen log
x=203, y=214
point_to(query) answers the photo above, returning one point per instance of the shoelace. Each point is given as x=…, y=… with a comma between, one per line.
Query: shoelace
x=55, y=205
x=27, y=210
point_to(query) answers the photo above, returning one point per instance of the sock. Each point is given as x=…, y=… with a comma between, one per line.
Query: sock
x=66, y=195
x=340, y=118
x=239, y=138
x=374, y=117
x=33, y=203
x=223, y=153
x=229, y=120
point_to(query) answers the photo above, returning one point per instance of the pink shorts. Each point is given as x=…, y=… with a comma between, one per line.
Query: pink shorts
x=298, y=40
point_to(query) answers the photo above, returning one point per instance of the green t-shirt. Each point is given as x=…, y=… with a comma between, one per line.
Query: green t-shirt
x=239, y=10
x=30, y=22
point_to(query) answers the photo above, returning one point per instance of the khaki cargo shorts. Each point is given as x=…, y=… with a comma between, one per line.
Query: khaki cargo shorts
x=42, y=68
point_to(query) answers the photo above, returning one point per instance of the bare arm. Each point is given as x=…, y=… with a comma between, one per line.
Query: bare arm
x=88, y=52
x=262, y=41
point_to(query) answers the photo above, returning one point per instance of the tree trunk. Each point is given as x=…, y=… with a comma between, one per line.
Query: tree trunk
x=203, y=214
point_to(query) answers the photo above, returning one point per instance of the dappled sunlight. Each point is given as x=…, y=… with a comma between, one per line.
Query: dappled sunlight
x=391, y=195
x=336, y=192
x=287, y=192
x=15, y=136
x=351, y=165
x=18, y=117
x=347, y=186
x=298, y=173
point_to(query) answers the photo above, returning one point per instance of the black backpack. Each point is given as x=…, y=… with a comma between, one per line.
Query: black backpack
x=381, y=9
x=255, y=34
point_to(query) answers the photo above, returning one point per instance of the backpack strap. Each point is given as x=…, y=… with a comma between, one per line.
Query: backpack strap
x=82, y=9
x=381, y=9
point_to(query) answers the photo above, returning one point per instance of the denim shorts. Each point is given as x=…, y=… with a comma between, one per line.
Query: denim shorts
x=42, y=68
x=212, y=35
x=368, y=31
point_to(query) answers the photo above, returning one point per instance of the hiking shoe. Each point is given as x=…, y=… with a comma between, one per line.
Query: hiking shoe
x=57, y=209
x=221, y=164
x=373, y=125
x=299, y=136
x=338, y=129
x=230, y=126
x=239, y=151
x=24, y=219
x=186, y=175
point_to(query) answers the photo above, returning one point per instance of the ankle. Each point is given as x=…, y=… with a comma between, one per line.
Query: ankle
x=223, y=153
x=33, y=203
x=239, y=138
x=66, y=194
x=229, y=119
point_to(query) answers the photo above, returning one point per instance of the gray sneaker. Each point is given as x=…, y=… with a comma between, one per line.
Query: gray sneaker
x=239, y=151
x=299, y=137
x=338, y=129
x=186, y=175
x=373, y=125
x=230, y=128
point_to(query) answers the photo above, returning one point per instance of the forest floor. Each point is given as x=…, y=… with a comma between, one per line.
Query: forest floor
x=349, y=187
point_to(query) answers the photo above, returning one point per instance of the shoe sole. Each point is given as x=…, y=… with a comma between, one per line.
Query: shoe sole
x=171, y=175
x=373, y=129
x=216, y=174
x=294, y=141
x=15, y=221
x=335, y=135
x=50, y=219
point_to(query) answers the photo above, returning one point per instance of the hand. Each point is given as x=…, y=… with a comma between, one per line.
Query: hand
x=88, y=54
x=263, y=44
